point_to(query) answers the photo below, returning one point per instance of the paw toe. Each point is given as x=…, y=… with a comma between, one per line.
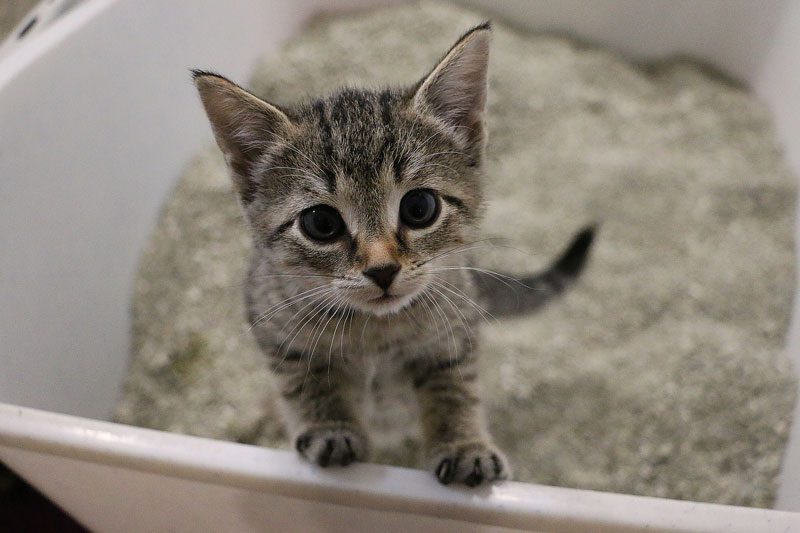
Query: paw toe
x=471, y=464
x=476, y=476
x=327, y=446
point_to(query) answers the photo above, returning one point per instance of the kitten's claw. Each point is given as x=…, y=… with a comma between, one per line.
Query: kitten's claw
x=444, y=472
x=469, y=463
x=349, y=455
x=326, y=445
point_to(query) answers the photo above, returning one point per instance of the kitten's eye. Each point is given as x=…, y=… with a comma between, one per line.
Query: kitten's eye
x=419, y=208
x=321, y=223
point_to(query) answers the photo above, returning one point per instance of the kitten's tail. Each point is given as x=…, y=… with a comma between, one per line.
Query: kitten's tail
x=508, y=295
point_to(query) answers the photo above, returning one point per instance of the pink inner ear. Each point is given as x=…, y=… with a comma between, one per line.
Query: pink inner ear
x=455, y=91
x=243, y=124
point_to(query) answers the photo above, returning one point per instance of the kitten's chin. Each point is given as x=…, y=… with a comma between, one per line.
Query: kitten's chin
x=386, y=304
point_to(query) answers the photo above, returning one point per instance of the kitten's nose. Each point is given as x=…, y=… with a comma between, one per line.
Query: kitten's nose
x=383, y=275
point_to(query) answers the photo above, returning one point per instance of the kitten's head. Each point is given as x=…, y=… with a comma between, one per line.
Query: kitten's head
x=364, y=191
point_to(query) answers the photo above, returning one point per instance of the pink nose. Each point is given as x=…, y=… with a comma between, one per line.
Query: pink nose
x=383, y=275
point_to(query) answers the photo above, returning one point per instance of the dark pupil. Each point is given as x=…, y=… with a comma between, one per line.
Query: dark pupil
x=324, y=223
x=321, y=223
x=418, y=207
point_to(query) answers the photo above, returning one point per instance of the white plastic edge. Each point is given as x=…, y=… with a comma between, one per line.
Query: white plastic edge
x=382, y=488
x=32, y=48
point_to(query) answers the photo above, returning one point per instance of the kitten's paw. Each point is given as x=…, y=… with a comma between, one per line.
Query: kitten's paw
x=331, y=444
x=471, y=463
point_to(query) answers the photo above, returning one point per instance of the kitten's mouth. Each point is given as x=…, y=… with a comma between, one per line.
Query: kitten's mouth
x=385, y=298
x=386, y=303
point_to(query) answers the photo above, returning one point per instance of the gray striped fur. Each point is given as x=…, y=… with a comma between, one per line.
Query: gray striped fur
x=312, y=308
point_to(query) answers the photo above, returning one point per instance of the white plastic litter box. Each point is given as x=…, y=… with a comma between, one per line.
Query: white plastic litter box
x=97, y=117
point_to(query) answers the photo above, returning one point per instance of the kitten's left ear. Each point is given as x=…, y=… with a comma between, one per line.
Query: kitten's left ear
x=455, y=90
x=244, y=125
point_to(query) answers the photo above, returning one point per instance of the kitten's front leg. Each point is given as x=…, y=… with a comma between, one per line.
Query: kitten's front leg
x=459, y=448
x=320, y=414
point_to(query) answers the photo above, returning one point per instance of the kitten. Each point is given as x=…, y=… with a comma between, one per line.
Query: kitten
x=362, y=206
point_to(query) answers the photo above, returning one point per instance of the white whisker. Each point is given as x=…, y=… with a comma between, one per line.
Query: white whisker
x=304, y=321
x=467, y=328
x=458, y=292
x=450, y=334
x=496, y=275
x=426, y=165
x=331, y=314
x=364, y=329
x=288, y=349
x=457, y=249
x=288, y=302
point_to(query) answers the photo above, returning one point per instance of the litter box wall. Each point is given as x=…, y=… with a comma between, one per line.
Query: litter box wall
x=97, y=116
x=754, y=42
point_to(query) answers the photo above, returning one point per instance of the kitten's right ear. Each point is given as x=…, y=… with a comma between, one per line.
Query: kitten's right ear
x=244, y=125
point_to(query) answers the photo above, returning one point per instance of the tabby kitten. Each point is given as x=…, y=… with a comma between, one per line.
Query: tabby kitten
x=362, y=205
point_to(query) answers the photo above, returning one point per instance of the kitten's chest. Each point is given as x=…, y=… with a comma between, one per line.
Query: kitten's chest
x=385, y=398
x=382, y=343
x=377, y=355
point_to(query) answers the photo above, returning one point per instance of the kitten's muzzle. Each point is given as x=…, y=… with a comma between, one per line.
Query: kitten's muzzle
x=383, y=275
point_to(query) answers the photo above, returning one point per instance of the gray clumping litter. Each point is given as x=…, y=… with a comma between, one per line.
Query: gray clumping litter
x=662, y=373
